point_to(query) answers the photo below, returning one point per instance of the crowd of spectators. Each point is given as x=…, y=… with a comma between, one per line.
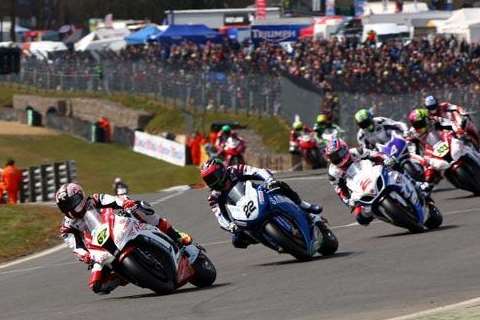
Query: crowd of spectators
x=333, y=65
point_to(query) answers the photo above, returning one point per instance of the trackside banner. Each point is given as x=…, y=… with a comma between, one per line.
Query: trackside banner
x=276, y=33
x=160, y=148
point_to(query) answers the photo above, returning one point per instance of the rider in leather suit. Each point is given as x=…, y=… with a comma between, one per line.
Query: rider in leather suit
x=221, y=179
x=73, y=202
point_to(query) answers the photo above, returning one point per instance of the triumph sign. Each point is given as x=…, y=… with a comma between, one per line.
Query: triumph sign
x=160, y=148
x=276, y=33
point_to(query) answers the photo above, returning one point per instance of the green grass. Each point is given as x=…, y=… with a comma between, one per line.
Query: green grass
x=26, y=229
x=98, y=164
x=274, y=131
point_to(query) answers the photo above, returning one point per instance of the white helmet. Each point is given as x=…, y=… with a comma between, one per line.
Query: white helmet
x=71, y=200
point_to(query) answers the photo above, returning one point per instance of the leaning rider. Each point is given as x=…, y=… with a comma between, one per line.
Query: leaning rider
x=222, y=179
x=323, y=124
x=73, y=203
x=341, y=157
x=375, y=130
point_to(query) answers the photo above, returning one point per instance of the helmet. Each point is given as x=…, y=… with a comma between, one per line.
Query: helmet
x=337, y=152
x=364, y=119
x=431, y=103
x=71, y=200
x=117, y=180
x=418, y=119
x=297, y=125
x=214, y=173
x=322, y=120
x=226, y=129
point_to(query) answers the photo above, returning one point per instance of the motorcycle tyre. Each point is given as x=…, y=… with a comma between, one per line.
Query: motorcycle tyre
x=205, y=272
x=401, y=215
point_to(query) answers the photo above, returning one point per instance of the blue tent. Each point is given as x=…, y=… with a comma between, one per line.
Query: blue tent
x=143, y=35
x=197, y=33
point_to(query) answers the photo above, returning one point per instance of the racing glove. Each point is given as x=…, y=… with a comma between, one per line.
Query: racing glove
x=85, y=257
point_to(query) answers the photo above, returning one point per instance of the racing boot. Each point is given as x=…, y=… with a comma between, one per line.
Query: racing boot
x=425, y=189
x=310, y=207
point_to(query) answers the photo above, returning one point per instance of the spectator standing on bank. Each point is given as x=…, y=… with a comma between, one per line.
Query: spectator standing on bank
x=12, y=177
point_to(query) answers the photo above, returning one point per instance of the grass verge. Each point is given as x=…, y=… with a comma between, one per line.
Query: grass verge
x=274, y=131
x=98, y=164
x=27, y=229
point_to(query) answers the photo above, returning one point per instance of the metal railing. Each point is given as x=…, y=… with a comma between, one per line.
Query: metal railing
x=180, y=87
x=39, y=183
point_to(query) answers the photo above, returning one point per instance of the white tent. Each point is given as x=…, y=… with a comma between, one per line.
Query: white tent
x=42, y=48
x=390, y=7
x=463, y=23
x=103, y=39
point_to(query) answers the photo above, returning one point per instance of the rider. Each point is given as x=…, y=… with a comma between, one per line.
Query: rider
x=222, y=179
x=223, y=135
x=421, y=125
x=375, y=130
x=323, y=124
x=73, y=203
x=118, y=185
x=341, y=158
x=454, y=113
x=298, y=129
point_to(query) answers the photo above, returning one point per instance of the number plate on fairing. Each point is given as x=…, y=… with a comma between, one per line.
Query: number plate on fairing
x=440, y=149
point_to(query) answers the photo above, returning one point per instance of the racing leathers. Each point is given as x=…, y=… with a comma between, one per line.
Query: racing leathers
x=222, y=138
x=337, y=177
x=77, y=236
x=381, y=133
x=460, y=119
x=294, y=135
x=217, y=200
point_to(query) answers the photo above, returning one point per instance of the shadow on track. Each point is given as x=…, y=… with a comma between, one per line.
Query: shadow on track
x=316, y=258
x=470, y=196
x=407, y=233
x=179, y=291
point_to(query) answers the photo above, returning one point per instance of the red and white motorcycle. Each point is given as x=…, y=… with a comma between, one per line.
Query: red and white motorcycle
x=461, y=160
x=143, y=255
x=310, y=149
x=233, y=151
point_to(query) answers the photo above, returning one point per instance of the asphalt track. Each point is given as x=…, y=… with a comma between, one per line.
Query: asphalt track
x=379, y=271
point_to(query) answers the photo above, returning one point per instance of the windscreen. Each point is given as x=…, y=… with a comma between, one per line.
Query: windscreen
x=92, y=219
x=237, y=192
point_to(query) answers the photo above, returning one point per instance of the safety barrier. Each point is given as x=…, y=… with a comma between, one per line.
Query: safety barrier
x=39, y=183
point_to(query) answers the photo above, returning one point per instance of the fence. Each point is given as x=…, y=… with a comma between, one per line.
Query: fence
x=41, y=182
x=204, y=89
x=208, y=89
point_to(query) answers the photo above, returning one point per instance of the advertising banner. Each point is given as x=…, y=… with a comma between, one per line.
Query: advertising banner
x=330, y=7
x=359, y=8
x=160, y=148
x=276, y=33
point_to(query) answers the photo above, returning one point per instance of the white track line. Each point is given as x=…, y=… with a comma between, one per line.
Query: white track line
x=34, y=256
x=428, y=312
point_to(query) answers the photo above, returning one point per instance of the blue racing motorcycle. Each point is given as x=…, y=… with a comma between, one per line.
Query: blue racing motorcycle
x=275, y=221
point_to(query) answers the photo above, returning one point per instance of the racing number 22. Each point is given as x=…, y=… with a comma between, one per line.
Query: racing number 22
x=249, y=208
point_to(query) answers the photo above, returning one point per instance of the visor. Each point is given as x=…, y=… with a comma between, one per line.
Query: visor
x=72, y=205
x=338, y=156
x=215, y=180
x=365, y=123
x=419, y=124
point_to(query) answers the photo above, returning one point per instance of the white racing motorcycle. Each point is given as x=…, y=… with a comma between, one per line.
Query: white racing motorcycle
x=391, y=197
x=143, y=255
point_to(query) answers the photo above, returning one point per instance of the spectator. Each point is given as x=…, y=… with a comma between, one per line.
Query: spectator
x=12, y=178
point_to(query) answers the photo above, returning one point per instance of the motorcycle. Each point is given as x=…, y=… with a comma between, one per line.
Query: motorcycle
x=275, y=221
x=141, y=254
x=463, y=161
x=233, y=151
x=310, y=149
x=391, y=197
x=401, y=150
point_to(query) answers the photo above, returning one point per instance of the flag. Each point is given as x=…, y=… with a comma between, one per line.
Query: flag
x=261, y=9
